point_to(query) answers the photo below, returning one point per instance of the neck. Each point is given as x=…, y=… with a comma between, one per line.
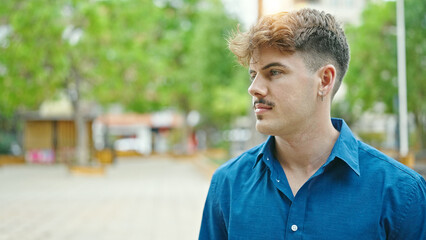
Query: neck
x=306, y=151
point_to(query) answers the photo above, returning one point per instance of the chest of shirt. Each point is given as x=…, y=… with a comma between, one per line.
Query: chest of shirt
x=327, y=205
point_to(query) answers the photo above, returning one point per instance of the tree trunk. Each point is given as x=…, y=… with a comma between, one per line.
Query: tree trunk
x=81, y=153
x=81, y=138
x=186, y=129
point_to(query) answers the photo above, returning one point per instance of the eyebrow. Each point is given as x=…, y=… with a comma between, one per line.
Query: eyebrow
x=273, y=64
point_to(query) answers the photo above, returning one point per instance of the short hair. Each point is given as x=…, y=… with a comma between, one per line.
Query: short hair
x=317, y=35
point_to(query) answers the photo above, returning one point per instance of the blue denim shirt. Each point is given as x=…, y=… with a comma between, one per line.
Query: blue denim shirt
x=359, y=193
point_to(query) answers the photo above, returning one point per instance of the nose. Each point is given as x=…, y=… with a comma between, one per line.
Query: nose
x=258, y=87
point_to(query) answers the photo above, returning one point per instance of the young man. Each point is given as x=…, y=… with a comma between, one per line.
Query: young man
x=311, y=179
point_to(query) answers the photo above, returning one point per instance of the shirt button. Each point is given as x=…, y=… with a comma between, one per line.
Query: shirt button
x=278, y=180
x=267, y=159
x=294, y=228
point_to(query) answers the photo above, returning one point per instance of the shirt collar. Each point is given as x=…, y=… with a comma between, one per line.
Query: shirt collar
x=265, y=150
x=345, y=148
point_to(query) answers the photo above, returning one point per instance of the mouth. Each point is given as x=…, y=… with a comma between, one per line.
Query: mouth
x=261, y=106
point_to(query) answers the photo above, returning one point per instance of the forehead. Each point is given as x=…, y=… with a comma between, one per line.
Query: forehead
x=266, y=55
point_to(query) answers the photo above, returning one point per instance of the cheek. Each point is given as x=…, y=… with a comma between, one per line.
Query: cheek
x=294, y=100
x=287, y=101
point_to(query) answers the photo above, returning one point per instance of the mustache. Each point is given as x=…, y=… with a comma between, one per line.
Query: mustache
x=263, y=101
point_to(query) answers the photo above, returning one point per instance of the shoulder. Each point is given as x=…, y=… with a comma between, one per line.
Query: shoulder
x=374, y=160
x=402, y=191
x=390, y=177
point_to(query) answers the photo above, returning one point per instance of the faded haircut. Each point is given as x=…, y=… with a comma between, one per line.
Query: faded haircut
x=316, y=35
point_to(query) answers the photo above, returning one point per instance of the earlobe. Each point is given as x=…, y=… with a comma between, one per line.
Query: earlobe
x=321, y=96
x=328, y=76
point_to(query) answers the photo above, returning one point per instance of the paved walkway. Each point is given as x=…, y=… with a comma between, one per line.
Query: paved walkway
x=135, y=199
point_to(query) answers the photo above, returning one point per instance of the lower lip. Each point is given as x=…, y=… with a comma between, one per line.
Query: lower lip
x=261, y=110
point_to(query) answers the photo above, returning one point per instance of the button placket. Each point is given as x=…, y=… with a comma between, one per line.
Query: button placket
x=278, y=178
x=296, y=217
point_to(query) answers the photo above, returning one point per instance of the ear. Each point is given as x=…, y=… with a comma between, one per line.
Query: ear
x=327, y=76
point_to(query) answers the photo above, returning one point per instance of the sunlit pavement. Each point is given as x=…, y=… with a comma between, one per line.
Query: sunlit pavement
x=135, y=199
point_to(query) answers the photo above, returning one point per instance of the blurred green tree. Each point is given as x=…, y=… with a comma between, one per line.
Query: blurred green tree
x=147, y=55
x=372, y=74
x=32, y=53
x=201, y=73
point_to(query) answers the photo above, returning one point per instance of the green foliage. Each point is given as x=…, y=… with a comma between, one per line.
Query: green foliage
x=30, y=54
x=146, y=56
x=373, y=69
x=202, y=70
x=415, y=21
x=372, y=76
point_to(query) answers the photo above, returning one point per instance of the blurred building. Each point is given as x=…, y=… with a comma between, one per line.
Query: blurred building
x=51, y=139
x=49, y=134
x=380, y=129
x=133, y=132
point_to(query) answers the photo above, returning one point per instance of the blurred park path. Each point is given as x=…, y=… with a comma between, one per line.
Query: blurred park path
x=143, y=198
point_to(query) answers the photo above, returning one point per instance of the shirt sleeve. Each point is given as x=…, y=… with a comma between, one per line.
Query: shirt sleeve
x=412, y=224
x=212, y=223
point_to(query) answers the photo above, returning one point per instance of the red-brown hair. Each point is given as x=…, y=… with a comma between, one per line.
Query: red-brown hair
x=315, y=34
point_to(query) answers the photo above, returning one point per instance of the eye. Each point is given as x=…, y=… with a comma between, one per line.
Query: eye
x=252, y=76
x=275, y=72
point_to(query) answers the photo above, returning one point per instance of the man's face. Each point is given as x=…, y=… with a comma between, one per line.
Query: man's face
x=284, y=91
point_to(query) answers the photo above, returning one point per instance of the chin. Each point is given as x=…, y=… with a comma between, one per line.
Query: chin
x=264, y=128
